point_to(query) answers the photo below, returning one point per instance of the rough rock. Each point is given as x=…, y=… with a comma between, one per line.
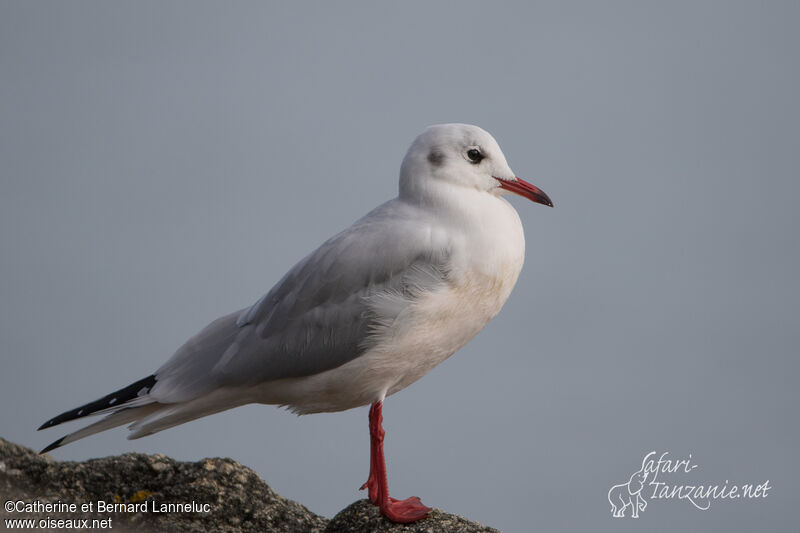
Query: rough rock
x=219, y=495
x=238, y=500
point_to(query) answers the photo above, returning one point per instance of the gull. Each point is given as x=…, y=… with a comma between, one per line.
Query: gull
x=366, y=314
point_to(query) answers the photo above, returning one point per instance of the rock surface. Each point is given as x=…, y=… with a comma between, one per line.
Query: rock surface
x=218, y=494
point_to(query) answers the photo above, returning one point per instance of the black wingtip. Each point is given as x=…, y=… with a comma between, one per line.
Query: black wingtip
x=53, y=446
x=49, y=423
x=116, y=398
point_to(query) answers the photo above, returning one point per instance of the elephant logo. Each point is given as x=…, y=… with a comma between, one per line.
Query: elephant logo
x=628, y=494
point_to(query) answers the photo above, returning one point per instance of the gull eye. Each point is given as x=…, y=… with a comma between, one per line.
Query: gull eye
x=475, y=156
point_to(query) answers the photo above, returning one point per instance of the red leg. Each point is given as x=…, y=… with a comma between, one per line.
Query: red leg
x=376, y=434
x=402, y=511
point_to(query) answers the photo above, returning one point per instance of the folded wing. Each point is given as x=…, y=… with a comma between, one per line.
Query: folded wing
x=321, y=314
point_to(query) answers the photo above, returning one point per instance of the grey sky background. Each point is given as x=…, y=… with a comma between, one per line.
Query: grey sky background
x=165, y=163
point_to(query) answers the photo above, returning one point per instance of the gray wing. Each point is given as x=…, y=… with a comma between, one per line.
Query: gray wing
x=321, y=314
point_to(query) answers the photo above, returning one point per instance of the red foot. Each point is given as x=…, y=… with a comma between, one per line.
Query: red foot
x=401, y=511
x=405, y=511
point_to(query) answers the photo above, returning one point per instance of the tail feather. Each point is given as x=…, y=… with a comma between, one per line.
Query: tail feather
x=132, y=395
x=118, y=418
x=170, y=415
x=154, y=416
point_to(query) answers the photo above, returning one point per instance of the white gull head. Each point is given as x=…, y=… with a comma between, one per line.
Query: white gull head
x=462, y=155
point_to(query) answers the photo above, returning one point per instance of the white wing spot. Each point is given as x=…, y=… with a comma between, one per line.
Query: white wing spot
x=112, y=401
x=80, y=412
x=143, y=391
